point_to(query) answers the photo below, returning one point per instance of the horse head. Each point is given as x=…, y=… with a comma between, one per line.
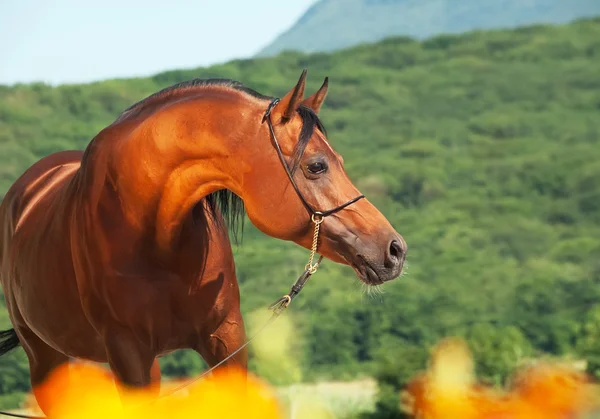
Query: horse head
x=300, y=178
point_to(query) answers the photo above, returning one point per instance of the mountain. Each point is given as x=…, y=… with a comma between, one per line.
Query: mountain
x=334, y=24
x=482, y=150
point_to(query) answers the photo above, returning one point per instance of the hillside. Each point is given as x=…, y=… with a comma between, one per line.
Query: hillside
x=481, y=149
x=330, y=25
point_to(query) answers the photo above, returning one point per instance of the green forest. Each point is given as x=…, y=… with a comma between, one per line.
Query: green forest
x=481, y=149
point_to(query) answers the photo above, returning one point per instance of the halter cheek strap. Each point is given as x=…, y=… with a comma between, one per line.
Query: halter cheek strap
x=313, y=212
x=316, y=217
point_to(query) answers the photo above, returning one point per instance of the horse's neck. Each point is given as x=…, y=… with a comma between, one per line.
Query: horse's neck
x=159, y=170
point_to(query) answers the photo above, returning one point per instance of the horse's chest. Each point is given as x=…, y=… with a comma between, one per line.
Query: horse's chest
x=162, y=307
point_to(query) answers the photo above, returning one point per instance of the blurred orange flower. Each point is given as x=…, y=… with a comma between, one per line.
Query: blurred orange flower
x=448, y=389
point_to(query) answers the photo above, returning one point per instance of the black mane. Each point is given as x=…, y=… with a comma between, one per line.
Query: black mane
x=229, y=204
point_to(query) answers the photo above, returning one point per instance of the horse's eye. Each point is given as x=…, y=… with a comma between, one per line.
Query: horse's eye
x=317, y=167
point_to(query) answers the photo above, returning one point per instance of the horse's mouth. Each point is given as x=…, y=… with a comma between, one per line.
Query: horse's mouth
x=370, y=275
x=366, y=273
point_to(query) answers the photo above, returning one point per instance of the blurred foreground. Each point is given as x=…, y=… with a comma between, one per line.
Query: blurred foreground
x=448, y=389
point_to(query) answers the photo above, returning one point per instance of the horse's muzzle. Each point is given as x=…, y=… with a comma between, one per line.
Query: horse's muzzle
x=375, y=265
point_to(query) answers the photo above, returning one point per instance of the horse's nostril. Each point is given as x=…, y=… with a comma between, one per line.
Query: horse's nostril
x=396, y=249
x=395, y=254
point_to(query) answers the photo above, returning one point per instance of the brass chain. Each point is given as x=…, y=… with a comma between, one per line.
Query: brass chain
x=309, y=266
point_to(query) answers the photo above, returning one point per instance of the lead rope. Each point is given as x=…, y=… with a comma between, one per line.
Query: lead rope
x=309, y=266
x=277, y=307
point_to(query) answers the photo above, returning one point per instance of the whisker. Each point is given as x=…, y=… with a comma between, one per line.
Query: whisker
x=404, y=270
x=363, y=288
x=372, y=292
x=378, y=292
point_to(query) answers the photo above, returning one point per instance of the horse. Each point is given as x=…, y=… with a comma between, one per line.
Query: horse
x=121, y=253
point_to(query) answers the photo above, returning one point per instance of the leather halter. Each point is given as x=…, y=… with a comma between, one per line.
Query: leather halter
x=314, y=213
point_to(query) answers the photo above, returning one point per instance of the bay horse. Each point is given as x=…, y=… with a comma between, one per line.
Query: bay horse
x=121, y=253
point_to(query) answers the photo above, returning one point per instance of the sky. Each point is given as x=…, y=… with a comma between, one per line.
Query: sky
x=78, y=41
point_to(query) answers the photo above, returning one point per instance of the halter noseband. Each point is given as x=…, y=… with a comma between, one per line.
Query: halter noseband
x=315, y=215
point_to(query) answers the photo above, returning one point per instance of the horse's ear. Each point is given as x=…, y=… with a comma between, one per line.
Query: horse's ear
x=316, y=100
x=286, y=107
